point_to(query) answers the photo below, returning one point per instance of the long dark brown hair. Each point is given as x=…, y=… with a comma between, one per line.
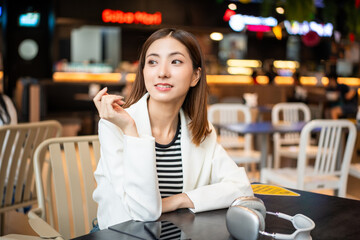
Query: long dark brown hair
x=195, y=103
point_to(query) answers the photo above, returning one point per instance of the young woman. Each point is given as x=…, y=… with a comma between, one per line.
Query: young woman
x=158, y=150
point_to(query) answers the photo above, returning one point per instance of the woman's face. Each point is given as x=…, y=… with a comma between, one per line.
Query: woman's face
x=168, y=71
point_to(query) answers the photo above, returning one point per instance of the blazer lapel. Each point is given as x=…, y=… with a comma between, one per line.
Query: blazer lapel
x=192, y=156
x=140, y=114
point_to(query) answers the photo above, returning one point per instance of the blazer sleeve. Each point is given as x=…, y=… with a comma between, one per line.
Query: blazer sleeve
x=227, y=182
x=128, y=164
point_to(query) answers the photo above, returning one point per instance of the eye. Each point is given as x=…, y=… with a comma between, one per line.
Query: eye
x=151, y=62
x=176, y=61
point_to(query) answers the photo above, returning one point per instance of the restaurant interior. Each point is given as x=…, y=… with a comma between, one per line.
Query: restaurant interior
x=261, y=54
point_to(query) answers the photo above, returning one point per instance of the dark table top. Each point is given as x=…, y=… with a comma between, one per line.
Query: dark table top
x=335, y=218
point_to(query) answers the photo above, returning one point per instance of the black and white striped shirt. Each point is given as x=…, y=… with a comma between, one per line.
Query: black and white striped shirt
x=169, y=231
x=169, y=166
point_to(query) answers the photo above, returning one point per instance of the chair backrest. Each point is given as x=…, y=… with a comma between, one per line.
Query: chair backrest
x=66, y=182
x=226, y=113
x=17, y=146
x=334, y=152
x=289, y=113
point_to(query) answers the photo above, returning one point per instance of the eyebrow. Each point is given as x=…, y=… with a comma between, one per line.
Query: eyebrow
x=171, y=54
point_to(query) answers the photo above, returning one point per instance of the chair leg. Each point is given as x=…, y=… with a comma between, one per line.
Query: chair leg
x=263, y=177
x=246, y=166
x=2, y=223
x=250, y=169
x=276, y=160
x=270, y=162
x=253, y=167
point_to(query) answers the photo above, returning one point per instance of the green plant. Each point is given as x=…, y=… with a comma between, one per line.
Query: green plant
x=352, y=18
x=303, y=10
x=330, y=11
x=297, y=10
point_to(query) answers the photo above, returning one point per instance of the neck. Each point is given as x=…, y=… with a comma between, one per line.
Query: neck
x=163, y=120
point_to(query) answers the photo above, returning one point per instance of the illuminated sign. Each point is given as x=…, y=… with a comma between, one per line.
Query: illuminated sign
x=29, y=19
x=228, y=14
x=296, y=28
x=238, y=22
x=258, y=28
x=117, y=16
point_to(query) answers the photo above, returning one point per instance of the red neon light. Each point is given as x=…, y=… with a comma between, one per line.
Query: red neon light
x=117, y=16
x=258, y=28
x=227, y=15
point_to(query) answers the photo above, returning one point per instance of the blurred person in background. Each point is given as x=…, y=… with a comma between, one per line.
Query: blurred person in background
x=269, y=70
x=299, y=93
x=341, y=99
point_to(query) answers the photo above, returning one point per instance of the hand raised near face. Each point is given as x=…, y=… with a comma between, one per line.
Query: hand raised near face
x=109, y=108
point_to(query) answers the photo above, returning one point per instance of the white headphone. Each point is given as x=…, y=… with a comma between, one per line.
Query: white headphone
x=245, y=219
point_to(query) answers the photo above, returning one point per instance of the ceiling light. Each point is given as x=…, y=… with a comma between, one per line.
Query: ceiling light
x=243, y=63
x=216, y=36
x=232, y=6
x=240, y=70
x=280, y=10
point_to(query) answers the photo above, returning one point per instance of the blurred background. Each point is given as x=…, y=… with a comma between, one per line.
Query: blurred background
x=56, y=54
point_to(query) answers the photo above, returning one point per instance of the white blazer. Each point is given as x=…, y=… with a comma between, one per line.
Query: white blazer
x=127, y=183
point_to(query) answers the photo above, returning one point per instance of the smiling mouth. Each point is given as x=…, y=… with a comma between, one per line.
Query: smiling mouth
x=163, y=86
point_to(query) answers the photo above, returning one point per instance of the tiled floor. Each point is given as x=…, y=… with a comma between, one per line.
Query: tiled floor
x=16, y=223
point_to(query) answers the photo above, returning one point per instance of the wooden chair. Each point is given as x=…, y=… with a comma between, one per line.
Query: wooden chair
x=65, y=194
x=355, y=170
x=287, y=145
x=239, y=148
x=17, y=145
x=331, y=167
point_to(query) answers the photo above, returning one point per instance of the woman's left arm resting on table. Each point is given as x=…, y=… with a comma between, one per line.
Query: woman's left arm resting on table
x=175, y=202
x=228, y=182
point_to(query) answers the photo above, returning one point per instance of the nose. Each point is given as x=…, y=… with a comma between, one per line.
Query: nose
x=164, y=71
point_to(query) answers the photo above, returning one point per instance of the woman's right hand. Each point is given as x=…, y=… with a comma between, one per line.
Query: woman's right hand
x=109, y=108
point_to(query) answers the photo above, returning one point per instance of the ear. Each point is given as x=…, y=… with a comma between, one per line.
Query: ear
x=196, y=77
